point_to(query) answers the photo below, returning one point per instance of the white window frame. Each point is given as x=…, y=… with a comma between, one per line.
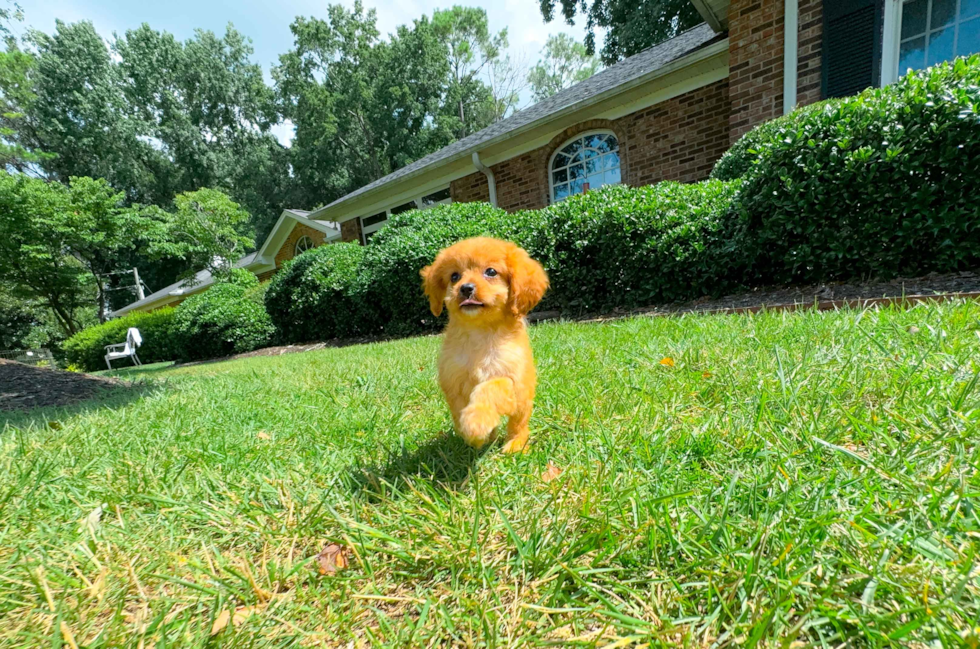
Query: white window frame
x=371, y=229
x=581, y=136
x=305, y=237
x=892, y=40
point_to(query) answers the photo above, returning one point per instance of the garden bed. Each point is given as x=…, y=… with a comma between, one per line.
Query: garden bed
x=24, y=386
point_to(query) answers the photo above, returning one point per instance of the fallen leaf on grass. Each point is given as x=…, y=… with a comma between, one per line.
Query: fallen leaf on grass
x=551, y=472
x=331, y=559
x=264, y=435
x=667, y=361
x=705, y=375
x=241, y=614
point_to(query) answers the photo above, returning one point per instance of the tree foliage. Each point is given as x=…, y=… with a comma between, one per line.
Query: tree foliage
x=206, y=229
x=631, y=25
x=565, y=62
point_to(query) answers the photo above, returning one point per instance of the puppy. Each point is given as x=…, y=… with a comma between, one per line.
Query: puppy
x=486, y=369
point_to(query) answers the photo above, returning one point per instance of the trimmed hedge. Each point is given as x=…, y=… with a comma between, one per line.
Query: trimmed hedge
x=881, y=184
x=319, y=295
x=625, y=247
x=613, y=247
x=86, y=349
x=228, y=318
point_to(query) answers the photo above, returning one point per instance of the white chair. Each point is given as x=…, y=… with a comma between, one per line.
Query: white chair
x=126, y=349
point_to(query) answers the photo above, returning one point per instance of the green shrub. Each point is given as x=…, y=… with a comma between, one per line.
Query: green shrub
x=86, y=349
x=742, y=155
x=319, y=295
x=621, y=246
x=222, y=320
x=398, y=252
x=880, y=184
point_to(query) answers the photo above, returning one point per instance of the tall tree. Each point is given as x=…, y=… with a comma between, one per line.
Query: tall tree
x=564, y=63
x=205, y=105
x=206, y=229
x=472, y=48
x=631, y=25
x=361, y=106
x=33, y=258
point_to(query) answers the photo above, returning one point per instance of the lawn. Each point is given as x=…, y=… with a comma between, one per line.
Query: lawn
x=764, y=479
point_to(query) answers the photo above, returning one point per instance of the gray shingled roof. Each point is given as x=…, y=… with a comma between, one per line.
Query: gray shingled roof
x=582, y=93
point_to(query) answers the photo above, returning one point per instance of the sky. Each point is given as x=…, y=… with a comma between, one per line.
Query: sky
x=267, y=23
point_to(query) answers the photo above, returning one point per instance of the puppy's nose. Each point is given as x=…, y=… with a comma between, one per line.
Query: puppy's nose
x=466, y=290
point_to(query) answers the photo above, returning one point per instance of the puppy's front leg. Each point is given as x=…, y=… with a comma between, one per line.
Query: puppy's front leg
x=488, y=402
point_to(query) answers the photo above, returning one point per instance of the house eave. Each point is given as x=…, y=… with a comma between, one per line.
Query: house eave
x=714, y=12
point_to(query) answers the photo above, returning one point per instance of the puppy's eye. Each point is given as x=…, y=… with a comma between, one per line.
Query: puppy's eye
x=454, y=277
x=490, y=272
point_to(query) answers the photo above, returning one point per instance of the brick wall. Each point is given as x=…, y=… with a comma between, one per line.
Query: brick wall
x=350, y=230
x=679, y=139
x=470, y=189
x=288, y=249
x=755, y=60
x=810, y=52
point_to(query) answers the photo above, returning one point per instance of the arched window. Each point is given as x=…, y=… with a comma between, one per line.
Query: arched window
x=587, y=161
x=303, y=244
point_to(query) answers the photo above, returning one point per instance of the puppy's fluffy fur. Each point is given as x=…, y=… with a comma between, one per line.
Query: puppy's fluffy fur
x=486, y=369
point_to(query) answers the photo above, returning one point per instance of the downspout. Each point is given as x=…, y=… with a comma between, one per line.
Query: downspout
x=491, y=181
x=791, y=34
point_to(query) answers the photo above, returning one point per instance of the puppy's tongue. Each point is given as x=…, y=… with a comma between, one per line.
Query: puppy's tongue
x=470, y=303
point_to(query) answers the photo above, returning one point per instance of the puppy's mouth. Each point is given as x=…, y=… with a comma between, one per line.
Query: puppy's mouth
x=470, y=303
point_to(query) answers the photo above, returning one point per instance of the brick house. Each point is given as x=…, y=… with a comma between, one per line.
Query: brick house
x=669, y=112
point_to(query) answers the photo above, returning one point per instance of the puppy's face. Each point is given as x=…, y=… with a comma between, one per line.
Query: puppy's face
x=483, y=281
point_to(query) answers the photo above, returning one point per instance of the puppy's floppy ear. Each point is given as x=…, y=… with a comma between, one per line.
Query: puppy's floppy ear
x=528, y=281
x=434, y=284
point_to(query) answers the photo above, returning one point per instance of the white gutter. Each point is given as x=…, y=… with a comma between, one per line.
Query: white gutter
x=791, y=33
x=491, y=181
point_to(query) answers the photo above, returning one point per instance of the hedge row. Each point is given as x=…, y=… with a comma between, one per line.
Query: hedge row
x=86, y=349
x=881, y=184
x=228, y=318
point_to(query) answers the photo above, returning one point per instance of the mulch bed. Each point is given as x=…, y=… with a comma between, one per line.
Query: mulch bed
x=822, y=296
x=24, y=386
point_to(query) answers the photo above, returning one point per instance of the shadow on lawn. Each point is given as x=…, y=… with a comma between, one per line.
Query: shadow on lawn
x=445, y=462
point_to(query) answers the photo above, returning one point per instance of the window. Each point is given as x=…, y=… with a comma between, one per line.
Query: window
x=587, y=162
x=440, y=197
x=303, y=244
x=933, y=31
x=371, y=224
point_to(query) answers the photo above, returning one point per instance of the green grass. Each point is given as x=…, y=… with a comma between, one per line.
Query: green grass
x=808, y=477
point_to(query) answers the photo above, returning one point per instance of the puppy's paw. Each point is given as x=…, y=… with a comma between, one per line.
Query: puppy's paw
x=516, y=445
x=476, y=424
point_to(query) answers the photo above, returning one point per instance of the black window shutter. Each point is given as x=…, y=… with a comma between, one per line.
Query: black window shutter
x=852, y=31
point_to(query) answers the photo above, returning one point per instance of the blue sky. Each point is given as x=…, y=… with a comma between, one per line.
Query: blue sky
x=267, y=23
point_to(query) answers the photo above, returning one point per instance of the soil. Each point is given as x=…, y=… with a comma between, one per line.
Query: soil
x=26, y=386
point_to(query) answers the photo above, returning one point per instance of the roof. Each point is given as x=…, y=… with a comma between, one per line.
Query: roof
x=615, y=76
x=203, y=278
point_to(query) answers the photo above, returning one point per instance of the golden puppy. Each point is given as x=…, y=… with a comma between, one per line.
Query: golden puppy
x=486, y=369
